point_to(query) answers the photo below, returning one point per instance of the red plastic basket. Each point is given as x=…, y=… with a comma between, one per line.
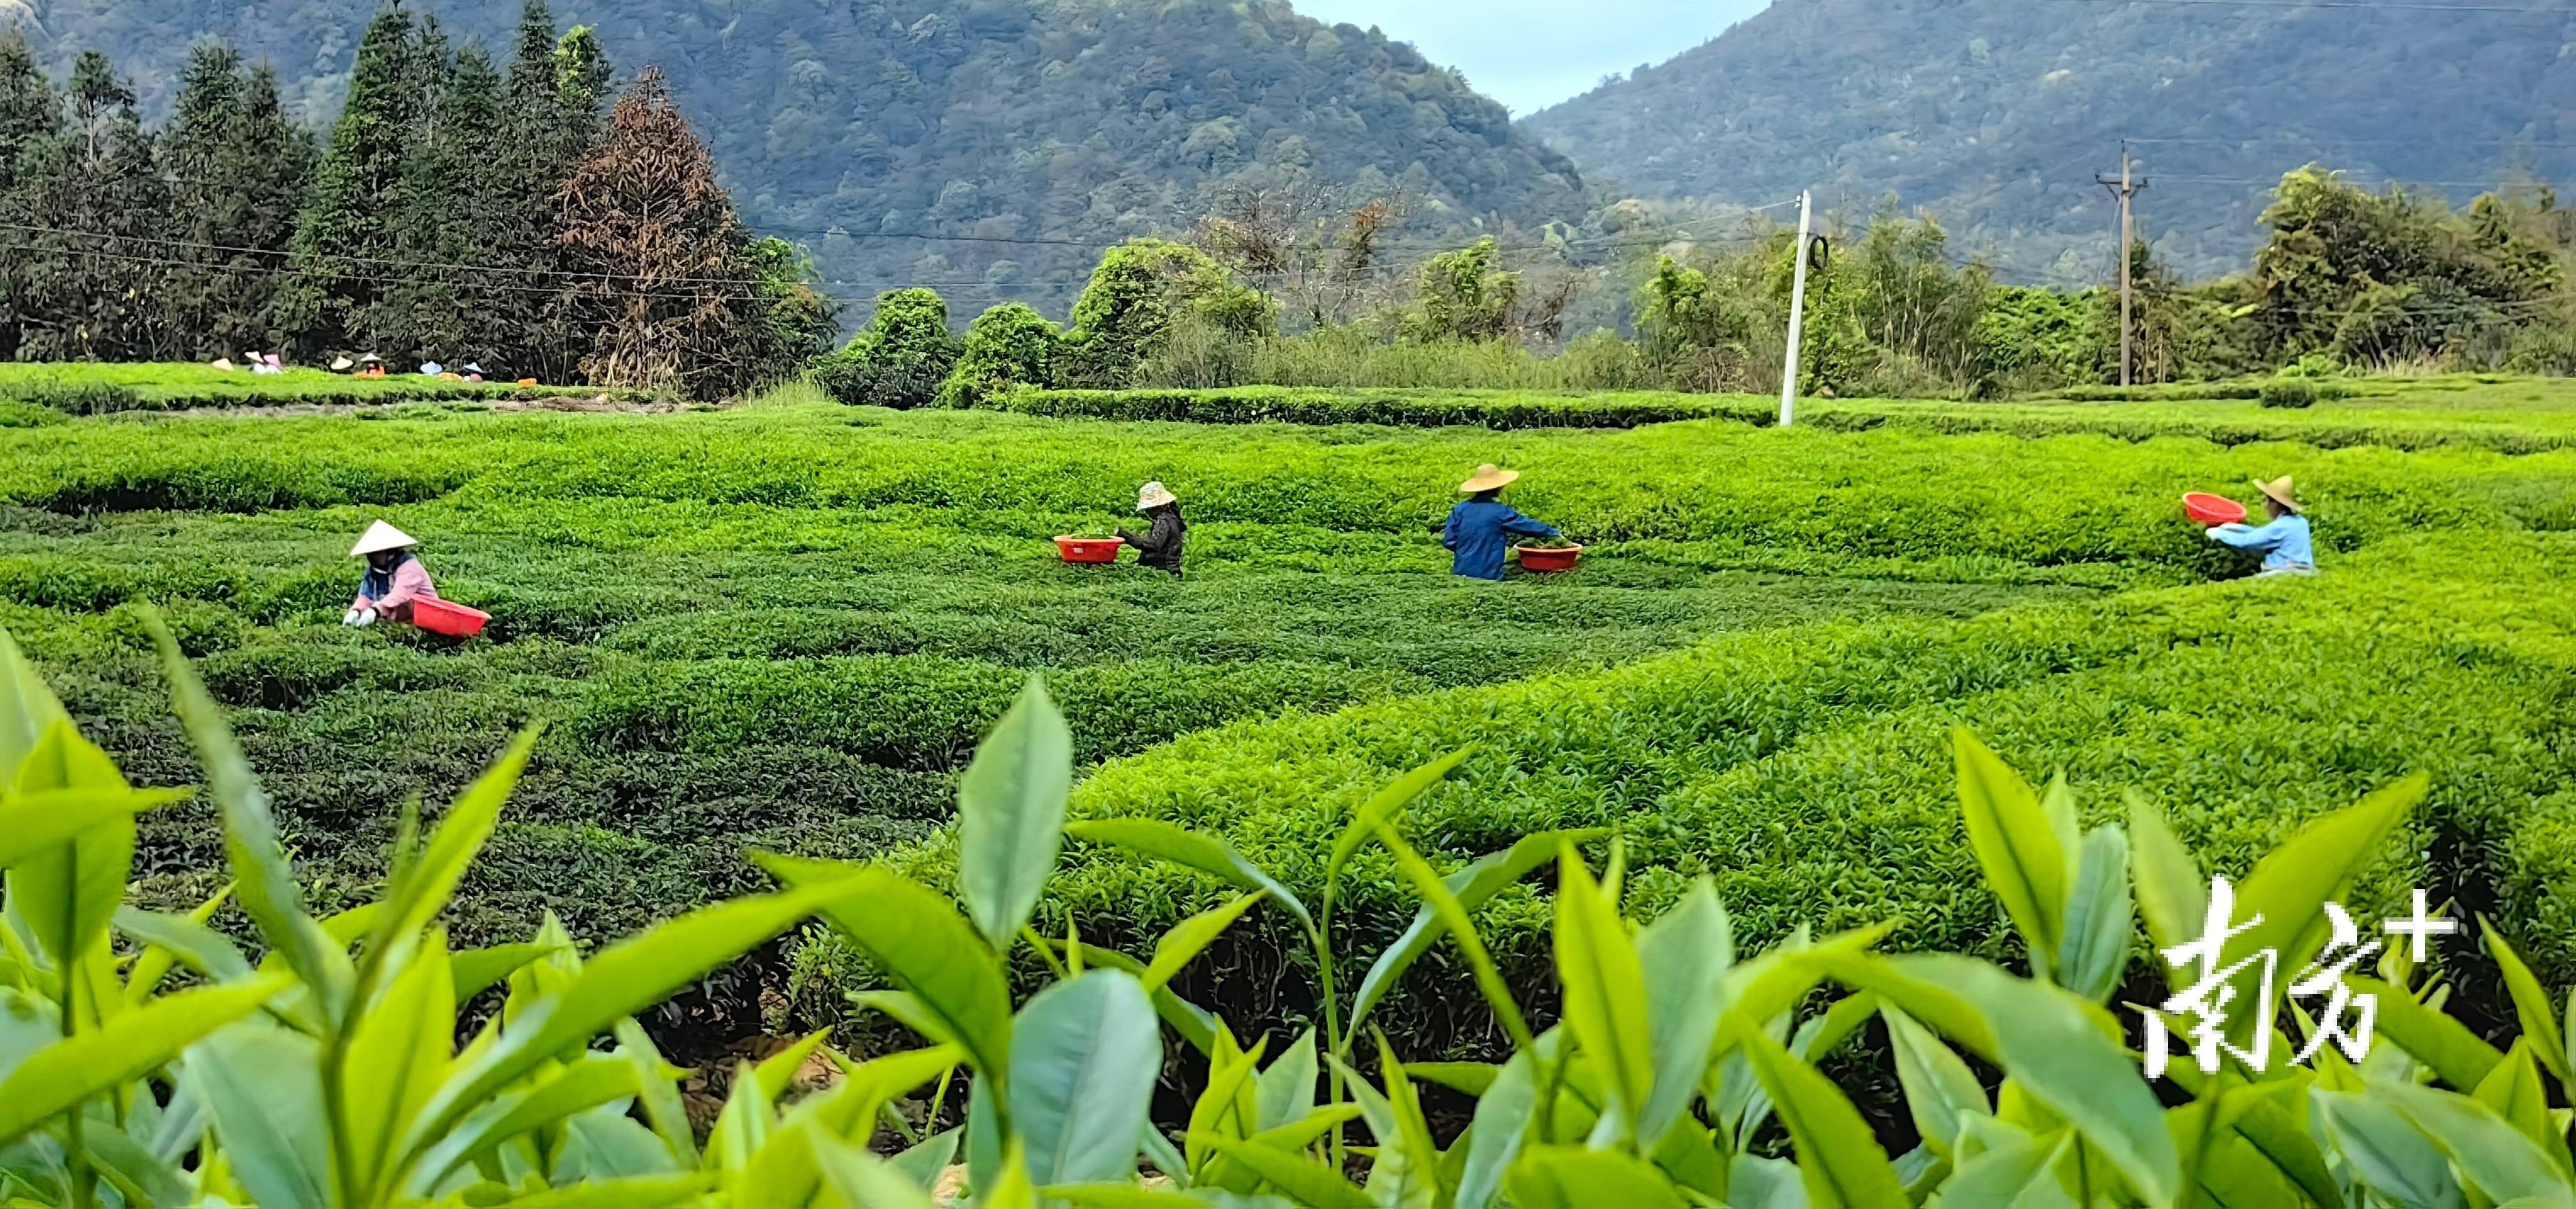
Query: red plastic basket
x=2212, y=509
x=1535, y=559
x=1090, y=549
x=447, y=617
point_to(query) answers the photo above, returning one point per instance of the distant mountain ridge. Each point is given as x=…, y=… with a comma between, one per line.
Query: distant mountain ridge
x=1995, y=114
x=1025, y=132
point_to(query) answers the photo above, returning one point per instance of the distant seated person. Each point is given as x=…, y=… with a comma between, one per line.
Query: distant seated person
x=1160, y=547
x=394, y=579
x=473, y=372
x=432, y=369
x=371, y=366
x=2282, y=539
x=1481, y=527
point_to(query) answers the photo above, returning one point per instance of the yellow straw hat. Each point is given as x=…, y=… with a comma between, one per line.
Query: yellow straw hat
x=1488, y=477
x=2279, y=492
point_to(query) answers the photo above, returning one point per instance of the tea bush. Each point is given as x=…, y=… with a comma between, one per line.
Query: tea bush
x=98, y=389
x=1399, y=408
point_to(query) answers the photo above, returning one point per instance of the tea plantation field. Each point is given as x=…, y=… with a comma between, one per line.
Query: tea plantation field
x=786, y=626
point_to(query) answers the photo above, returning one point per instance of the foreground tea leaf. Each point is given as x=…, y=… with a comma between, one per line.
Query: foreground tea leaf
x=2386, y=1151
x=586, y=1084
x=2532, y=1007
x=2100, y=923
x=1191, y=937
x=131, y=1045
x=1445, y=907
x=432, y=879
x=1604, y=986
x=1010, y=814
x=1309, y=1184
x=1084, y=1057
x=262, y=1087
x=2432, y=1037
x=920, y=941
x=1565, y=1177
x=2490, y=1154
x=1685, y=955
x=1838, y=1157
x=2017, y=845
x=27, y=708
x=1380, y=809
x=33, y=822
x=621, y=981
x=266, y=881
x=1472, y=886
x=2172, y=893
x=1286, y=1090
x=1940, y=1090
x=1191, y=849
x=1501, y=1125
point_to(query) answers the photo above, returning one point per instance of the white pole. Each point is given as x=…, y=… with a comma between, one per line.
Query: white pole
x=1797, y=312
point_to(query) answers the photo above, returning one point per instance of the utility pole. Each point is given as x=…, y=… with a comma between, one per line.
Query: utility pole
x=2126, y=188
x=1797, y=310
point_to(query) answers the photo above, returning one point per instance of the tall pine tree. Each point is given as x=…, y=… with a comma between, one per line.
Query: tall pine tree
x=345, y=236
x=95, y=287
x=31, y=117
x=556, y=86
x=239, y=168
x=466, y=295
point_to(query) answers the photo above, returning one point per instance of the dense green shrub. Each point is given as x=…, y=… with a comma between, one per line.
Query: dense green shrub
x=1007, y=346
x=899, y=359
x=2290, y=393
x=1142, y=290
x=1402, y=408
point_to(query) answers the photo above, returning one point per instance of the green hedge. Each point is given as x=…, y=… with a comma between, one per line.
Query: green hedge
x=83, y=389
x=1495, y=409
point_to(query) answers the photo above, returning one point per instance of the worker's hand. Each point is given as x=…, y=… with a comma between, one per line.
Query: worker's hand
x=366, y=617
x=349, y=618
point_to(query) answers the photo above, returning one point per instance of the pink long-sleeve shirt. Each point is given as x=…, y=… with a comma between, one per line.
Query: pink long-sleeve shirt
x=411, y=581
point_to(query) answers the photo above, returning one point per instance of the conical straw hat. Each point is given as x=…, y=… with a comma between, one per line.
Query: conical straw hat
x=381, y=537
x=2279, y=490
x=1154, y=495
x=1488, y=477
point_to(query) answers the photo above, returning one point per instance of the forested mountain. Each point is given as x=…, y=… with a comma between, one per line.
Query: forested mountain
x=1995, y=114
x=1022, y=134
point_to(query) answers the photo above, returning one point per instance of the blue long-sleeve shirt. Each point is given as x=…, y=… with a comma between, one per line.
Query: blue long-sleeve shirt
x=1479, y=530
x=2283, y=543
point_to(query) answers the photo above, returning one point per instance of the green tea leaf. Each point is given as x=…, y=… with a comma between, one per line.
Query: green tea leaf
x=1192, y=849
x=1381, y=809
x=624, y=979
x=2005, y=1175
x=1084, y=1057
x=269, y=894
x=1501, y=1125
x=2017, y=845
x=200, y=948
x=1472, y=886
x=2173, y=894
x=1940, y=1090
x=1564, y=1177
x=2490, y=1154
x=262, y=1088
x=2387, y=1152
x=27, y=709
x=2063, y=1052
x=921, y=942
x=583, y=1085
x=1685, y=955
x=67, y=893
x=1838, y=1157
x=2100, y=925
x=133, y=1044
x=1309, y=1184
x=2290, y=886
x=478, y=970
x=1445, y=907
x=2532, y=1006
x=2458, y=1056
x=636, y=1192
x=2515, y=1092
x=1196, y=1025
x=1010, y=814
x=398, y=1054
x=1287, y=1089
x=432, y=878
x=1190, y=937
x=33, y=822
x=1604, y=987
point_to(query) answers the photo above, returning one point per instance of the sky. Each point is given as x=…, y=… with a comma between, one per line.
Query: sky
x=1530, y=54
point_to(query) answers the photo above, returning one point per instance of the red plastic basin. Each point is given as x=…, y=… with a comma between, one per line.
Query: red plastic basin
x=1090, y=549
x=1535, y=559
x=2212, y=509
x=448, y=617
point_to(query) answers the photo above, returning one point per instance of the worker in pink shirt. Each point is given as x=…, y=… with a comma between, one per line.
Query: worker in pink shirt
x=395, y=577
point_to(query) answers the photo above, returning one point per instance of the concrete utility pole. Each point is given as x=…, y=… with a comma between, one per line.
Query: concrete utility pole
x=2125, y=188
x=1797, y=310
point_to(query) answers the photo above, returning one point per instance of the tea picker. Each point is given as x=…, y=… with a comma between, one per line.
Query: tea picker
x=1481, y=526
x=1160, y=547
x=398, y=587
x=2282, y=540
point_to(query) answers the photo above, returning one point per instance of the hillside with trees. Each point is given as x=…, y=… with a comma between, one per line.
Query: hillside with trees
x=1995, y=114
x=991, y=148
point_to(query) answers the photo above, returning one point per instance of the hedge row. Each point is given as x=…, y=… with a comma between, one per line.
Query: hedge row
x=1807, y=773
x=96, y=389
x=1404, y=408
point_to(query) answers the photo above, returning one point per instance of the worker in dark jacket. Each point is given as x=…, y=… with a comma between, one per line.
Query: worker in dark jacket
x=1480, y=527
x=1160, y=547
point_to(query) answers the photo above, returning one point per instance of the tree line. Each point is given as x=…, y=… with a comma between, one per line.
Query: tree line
x=529, y=216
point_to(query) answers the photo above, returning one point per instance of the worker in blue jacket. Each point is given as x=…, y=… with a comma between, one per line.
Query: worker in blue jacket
x=1480, y=527
x=2282, y=539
